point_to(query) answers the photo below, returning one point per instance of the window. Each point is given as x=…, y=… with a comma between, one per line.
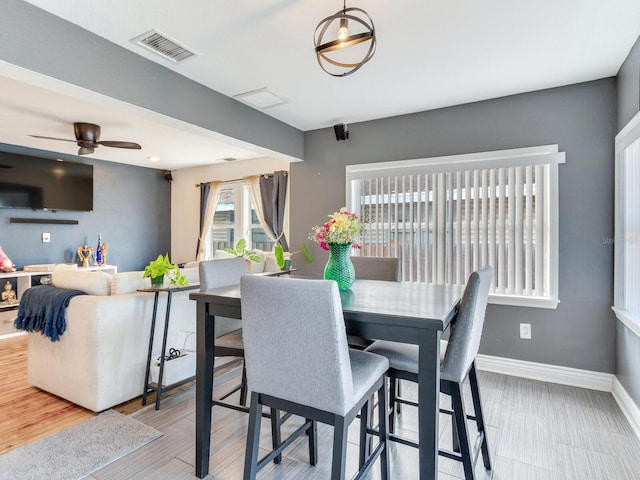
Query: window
x=235, y=218
x=627, y=230
x=446, y=217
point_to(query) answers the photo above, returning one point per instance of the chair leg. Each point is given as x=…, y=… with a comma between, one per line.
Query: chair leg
x=253, y=439
x=383, y=428
x=454, y=436
x=460, y=418
x=365, y=440
x=399, y=394
x=393, y=384
x=243, y=386
x=338, y=462
x=312, y=432
x=276, y=436
x=477, y=406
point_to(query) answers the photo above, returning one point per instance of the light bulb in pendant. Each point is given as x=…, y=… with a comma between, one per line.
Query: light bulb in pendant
x=343, y=31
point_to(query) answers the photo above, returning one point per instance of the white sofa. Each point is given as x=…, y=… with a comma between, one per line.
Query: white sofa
x=100, y=359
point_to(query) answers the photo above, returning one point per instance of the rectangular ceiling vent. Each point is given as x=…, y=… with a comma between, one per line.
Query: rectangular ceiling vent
x=164, y=46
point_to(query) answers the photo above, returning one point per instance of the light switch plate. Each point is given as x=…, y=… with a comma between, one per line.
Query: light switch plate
x=46, y=237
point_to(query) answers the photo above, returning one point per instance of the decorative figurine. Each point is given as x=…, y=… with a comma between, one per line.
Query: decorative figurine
x=99, y=250
x=6, y=265
x=8, y=296
x=85, y=253
x=103, y=249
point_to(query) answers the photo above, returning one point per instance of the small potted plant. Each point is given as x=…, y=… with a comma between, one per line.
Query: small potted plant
x=241, y=251
x=161, y=266
x=284, y=258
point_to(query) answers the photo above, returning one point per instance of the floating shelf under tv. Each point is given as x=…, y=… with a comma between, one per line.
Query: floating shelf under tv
x=43, y=220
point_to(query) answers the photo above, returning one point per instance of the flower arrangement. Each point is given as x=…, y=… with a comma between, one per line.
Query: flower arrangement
x=342, y=228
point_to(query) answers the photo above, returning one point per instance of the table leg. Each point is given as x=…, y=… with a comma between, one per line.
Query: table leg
x=428, y=402
x=153, y=328
x=204, y=386
x=164, y=351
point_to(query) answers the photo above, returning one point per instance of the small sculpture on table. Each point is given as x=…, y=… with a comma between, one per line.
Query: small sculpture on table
x=8, y=296
x=103, y=249
x=85, y=253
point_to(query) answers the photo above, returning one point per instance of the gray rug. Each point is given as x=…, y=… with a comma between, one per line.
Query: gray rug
x=77, y=451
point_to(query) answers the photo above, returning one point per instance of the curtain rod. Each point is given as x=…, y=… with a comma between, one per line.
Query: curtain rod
x=266, y=175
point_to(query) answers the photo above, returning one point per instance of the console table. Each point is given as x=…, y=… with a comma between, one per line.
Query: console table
x=157, y=386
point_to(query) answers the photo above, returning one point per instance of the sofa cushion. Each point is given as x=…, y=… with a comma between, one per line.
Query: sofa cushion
x=192, y=274
x=128, y=282
x=92, y=283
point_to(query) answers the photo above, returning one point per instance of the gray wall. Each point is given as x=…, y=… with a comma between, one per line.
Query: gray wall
x=581, y=120
x=131, y=210
x=627, y=342
x=41, y=42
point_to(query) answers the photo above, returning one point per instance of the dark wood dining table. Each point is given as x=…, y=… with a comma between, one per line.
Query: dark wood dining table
x=403, y=312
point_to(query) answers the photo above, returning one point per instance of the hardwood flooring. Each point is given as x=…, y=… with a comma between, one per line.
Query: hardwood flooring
x=536, y=431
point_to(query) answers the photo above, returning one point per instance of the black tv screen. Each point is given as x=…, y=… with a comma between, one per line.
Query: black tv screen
x=45, y=184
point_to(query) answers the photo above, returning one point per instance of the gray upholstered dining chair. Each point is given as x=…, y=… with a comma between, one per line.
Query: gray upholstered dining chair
x=228, y=331
x=377, y=268
x=298, y=361
x=458, y=362
x=373, y=268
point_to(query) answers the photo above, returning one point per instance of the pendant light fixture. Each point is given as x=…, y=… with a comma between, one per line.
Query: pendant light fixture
x=337, y=36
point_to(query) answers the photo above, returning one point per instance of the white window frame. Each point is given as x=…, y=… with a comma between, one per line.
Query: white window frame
x=627, y=137
x=547, y=155
x=242, y=199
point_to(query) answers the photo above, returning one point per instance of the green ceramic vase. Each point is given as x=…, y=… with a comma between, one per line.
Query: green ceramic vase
x=339, y=266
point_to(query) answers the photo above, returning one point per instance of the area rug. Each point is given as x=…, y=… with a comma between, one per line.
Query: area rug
x=77, y=451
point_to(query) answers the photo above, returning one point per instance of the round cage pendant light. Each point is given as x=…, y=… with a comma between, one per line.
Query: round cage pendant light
x=332, y=37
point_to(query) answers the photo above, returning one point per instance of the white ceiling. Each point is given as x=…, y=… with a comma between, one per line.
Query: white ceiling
x=429, y=55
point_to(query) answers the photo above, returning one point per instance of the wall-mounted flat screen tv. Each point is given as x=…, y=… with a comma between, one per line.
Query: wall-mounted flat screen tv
x=45, y=184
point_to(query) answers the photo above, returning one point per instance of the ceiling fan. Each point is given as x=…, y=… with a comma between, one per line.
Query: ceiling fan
x=88, y=139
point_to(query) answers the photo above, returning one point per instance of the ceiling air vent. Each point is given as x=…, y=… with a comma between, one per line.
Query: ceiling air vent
x=164, y=46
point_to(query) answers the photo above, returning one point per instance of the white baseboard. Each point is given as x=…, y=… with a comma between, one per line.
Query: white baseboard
x=627, y=405
x=546, y=373
x=604, y=382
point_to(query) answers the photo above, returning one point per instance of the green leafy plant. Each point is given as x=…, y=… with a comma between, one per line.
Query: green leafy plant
x=241, y=251
x=162, y=266
x=281, y=255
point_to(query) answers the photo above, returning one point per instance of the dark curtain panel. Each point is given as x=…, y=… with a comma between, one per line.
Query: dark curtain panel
x=273, y=192
x=205, y=188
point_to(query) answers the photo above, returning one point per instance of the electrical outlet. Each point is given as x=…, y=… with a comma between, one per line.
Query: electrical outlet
x=46, y=237
x=525, y=331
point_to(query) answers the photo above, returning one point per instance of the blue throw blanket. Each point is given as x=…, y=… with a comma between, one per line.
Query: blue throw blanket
x=42, y=309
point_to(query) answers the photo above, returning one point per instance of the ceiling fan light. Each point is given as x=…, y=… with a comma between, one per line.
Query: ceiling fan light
x=85, y=151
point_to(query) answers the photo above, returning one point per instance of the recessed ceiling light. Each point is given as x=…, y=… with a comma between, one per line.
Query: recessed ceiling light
x=261, y=98
x=154, y=159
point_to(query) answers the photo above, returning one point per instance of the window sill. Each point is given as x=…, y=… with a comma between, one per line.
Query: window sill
x=632, y=324
x=517, y=301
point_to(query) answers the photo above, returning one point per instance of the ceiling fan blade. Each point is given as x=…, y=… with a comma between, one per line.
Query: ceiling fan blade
x=53, y=138
x=86, y=151
x=131, y=145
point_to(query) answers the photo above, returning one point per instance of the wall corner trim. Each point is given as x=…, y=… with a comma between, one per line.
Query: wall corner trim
x=627, y=405
x=546, y=373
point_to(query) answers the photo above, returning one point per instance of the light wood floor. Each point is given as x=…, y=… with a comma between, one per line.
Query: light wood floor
x=536, y=431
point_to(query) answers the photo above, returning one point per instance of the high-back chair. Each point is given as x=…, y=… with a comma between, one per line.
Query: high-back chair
x=458, y=363
x=228, y=331
x=373, y=268
x=377, y=268
x=298, y=361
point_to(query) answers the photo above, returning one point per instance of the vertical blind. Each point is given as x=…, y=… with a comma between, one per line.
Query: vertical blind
x=446, y=224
